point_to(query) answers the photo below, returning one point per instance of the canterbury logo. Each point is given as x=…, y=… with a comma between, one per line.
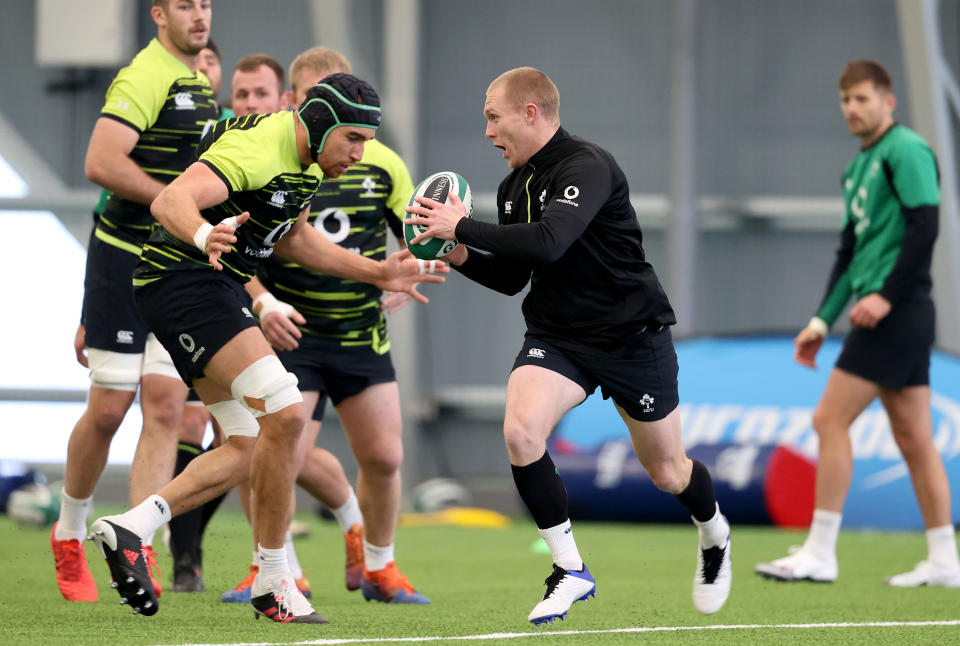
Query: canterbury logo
x=131, y=556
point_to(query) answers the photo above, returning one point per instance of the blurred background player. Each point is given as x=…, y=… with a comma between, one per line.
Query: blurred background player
x=210, y=63
x=159, y=92
x=596, y=315
x=186, y=530
x=332, y=334
x=892, y=196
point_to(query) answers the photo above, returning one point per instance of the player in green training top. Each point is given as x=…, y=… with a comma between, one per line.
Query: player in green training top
x=339, y=349
x=247, y=196
x=152, y=119
x=892, y=202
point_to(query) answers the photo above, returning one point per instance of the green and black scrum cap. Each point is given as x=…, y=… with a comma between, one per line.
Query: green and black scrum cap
x=338, y=100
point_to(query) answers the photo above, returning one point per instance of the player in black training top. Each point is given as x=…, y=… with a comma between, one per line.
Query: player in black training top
x=596, y=316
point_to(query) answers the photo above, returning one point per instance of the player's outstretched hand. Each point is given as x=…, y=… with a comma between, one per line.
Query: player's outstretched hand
x=280, y=329
x=806, y=346
x=440, y=219
x=221, y=236
x=394, y=301
x=402, y=273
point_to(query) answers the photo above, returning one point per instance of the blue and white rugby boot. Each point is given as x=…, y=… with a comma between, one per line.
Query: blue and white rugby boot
x=564, y=588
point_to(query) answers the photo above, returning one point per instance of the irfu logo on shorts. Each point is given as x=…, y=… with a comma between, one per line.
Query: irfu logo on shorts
x=647, y=402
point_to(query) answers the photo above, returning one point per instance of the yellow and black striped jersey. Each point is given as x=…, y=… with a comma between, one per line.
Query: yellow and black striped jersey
x=354, y=211
x=170, y=107
x=256, y=157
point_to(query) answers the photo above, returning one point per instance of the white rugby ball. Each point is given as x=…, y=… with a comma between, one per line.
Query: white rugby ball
x=437, y=187
x=34, y=505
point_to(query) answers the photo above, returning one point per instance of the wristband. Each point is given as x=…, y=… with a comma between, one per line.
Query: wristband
x=819, y=326
x=200, y=236
x=270, y=303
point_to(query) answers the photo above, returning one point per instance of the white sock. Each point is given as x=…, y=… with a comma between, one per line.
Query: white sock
x=73, y=518
x=562, y=546
x=824, y=530
x=376, y=557
x=273, y=566
x=147, y=517
x=292, y=560
x=714, y=532
x=256, y=559
x=348, y=514
x=942, y=547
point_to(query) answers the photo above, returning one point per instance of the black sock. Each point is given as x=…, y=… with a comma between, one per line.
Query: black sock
x=542, y=490
x=698, y=497
x=185, y=529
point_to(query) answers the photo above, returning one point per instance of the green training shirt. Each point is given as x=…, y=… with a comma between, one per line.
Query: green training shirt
x=353, y=211
x=899, y=171
x=170, y=107
x=256, y=157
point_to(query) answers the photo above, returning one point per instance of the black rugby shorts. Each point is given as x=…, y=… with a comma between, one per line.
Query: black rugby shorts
x=110, y=316
x=194, y=314
x=335, y=371
x=896, y=353
x=642, y=379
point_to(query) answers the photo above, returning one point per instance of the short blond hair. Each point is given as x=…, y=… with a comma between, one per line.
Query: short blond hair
x=523, y=85
x=318, y=59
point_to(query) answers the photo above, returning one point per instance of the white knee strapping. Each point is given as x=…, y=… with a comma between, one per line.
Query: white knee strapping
x=266, y=379
x=114, y=370
x=234, y=418
x=156, y=359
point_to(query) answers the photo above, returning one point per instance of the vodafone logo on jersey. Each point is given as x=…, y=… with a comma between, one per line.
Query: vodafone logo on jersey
x=570, y=194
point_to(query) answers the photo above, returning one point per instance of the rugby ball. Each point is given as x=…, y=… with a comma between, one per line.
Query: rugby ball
x=34, y=505
x=437, y=494
x=437, y=187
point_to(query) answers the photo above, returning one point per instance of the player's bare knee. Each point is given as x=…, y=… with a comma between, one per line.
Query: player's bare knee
x=667, y=476
x=381, y=463
x=290, y=421
x=522, y=439
x=163, y=412
x=106, y=419
x=912, y=439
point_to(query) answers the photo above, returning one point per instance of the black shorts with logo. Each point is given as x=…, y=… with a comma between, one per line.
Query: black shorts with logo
x=642, y=379
x=194, y=314
x=335, y=371
x=110, y=316
x=896, y=353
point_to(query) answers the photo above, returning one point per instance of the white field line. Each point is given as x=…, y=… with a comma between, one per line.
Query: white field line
x=555, y=633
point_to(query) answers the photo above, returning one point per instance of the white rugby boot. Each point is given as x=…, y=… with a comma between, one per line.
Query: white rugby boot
x=926, y=573
x=803, y=564
x=564, y=588
x=711, y=581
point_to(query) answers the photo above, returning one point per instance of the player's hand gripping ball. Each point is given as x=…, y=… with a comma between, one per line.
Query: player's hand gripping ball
x=437, y=187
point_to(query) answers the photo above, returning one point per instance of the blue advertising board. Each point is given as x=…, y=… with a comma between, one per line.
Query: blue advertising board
x=746, y=408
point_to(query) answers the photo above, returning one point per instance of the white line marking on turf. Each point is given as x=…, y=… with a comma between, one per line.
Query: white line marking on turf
x=552, y=633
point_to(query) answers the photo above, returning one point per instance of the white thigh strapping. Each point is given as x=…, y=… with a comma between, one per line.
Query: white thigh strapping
x=266, y=379
x=156, y=359
x=114, y=370
x=234, y=418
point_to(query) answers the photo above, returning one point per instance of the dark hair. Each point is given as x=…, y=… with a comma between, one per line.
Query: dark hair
x=212, y=46
x=865, y=70
x=253, y=61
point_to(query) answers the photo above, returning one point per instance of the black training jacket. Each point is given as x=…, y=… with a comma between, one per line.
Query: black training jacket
x=566, y=225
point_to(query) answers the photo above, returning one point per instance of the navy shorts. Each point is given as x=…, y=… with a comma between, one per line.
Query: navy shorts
x=194, y=314
x=335, y=371
x=896, y=353
x=110, y=316
x=642, y=379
